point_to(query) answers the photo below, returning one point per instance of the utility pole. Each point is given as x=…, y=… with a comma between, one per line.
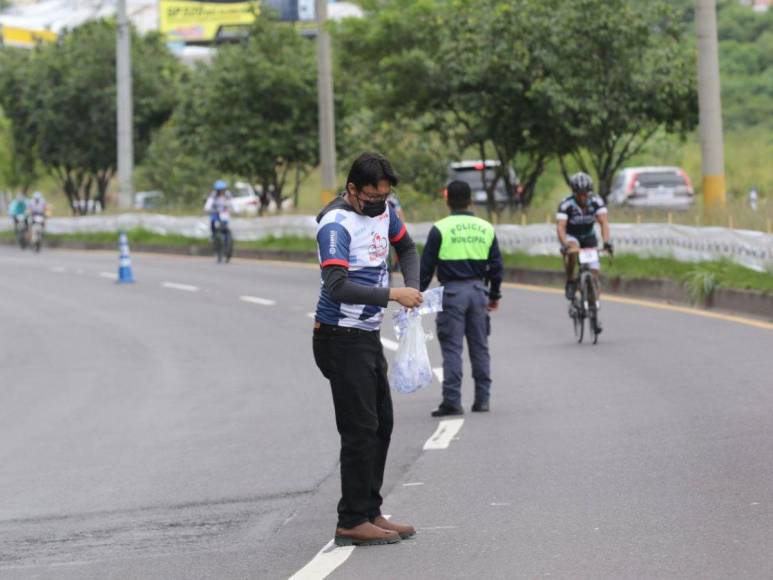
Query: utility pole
x=124, y=108
x=712, y=144
x=327, y=140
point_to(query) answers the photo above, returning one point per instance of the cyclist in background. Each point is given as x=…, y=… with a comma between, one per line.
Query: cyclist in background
x=393, y=262
x=17, y=209
x=37, y=205
x=575, y=221
x=219, y=200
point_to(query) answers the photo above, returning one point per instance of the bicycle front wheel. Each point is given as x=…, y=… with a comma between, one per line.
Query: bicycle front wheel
x=593, y=312
x=578, y=320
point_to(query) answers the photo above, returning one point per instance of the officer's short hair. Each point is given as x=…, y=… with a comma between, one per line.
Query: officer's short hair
x=369, y=169
x=459, y=194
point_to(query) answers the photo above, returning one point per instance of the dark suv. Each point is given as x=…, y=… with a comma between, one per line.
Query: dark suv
x=473, y=172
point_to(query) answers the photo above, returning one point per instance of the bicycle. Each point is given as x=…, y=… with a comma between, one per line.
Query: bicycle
x=222, y=239
x=585, y=304
x=36, y=232
x=21, y=231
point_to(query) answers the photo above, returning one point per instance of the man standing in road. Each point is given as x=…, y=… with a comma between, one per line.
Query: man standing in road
x=465, y=251
x=353, y=237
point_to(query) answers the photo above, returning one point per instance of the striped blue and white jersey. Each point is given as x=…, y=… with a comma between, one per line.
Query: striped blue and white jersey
x=361, y=245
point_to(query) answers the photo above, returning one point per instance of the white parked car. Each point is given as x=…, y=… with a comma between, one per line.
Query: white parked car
x=245, y=199
x=652, y=187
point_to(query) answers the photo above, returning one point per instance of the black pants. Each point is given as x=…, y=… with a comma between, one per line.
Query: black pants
x=353, y=361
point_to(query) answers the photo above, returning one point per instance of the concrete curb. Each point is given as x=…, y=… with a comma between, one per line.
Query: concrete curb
x=729, y=299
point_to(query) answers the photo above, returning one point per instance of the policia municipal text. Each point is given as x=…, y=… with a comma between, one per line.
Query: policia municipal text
x=465, y=252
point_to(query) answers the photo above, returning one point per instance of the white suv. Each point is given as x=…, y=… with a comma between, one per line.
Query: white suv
x=652, y=187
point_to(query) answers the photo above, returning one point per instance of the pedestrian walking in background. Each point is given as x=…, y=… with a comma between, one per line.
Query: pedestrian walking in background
x=353, y=237
x=465, y=251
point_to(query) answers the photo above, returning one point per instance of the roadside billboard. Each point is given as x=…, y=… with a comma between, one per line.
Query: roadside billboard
x=207, y=21
x=200, y=21
x=24, y=37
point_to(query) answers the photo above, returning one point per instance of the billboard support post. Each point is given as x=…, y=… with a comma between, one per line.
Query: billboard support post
x=124, y=108
x=710, y=107
x=327, y=144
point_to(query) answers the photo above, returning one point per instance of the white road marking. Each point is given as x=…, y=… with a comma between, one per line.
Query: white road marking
x=389, y=344
x=257, y=300
x=413, y=483
x=176, y=286
x=111, y=275
x=438, y=373
x=445, y=432
x=311, y=315
x=324, y=563
x=499, y=503
x=58, y=269
x=440, y=528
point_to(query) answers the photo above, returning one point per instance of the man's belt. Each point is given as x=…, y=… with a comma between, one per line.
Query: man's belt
x=330, y=329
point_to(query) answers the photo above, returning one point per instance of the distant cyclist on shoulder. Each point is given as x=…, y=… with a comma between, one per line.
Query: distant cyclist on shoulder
x=37, y=206
x=219, y=200
x=17, y=209
x=576, y=217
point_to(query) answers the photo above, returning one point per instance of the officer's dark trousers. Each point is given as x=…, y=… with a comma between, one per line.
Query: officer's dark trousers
x=353, y=361
x=464, y=314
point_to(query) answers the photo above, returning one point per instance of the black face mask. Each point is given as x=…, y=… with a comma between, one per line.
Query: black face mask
x=372, y=208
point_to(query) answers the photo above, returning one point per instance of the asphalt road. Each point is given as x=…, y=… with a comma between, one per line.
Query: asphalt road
x=169, y=429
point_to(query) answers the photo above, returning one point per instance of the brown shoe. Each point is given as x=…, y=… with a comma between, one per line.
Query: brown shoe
x=406, y=531
x=366, y=534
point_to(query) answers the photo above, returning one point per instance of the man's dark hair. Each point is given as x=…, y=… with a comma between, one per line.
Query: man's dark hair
x=369, y=169
x=459, y=195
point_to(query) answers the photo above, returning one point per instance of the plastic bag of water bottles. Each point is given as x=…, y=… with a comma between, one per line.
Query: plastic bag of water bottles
x=432, y=303
x=411, y=369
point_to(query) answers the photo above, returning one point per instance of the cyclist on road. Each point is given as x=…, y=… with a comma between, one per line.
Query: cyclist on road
x=37, y=205
x=17, y=209
x=219, y=200
x=575, y=220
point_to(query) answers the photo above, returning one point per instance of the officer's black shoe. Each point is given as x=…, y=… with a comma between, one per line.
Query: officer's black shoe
x=570, y=289
x=480, y=407
x=598, y=327
x=444, y=410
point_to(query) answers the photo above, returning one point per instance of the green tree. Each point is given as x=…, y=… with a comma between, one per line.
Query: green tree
x=184, y=178
x=73, y=96
x=21, y=163
x=253, y=111
x=471, y=65
x=624, y=75
x=746, y=65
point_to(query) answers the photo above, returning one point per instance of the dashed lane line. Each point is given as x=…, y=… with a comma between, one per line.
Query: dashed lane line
x=257, y=300
x=58, y=269
x=324, y=563
x=438, y=373
x=445, y=432
x=109, y=275
x=178, y=286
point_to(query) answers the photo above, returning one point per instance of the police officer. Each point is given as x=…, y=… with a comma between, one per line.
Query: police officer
x=354, y=235
x=465, y=252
